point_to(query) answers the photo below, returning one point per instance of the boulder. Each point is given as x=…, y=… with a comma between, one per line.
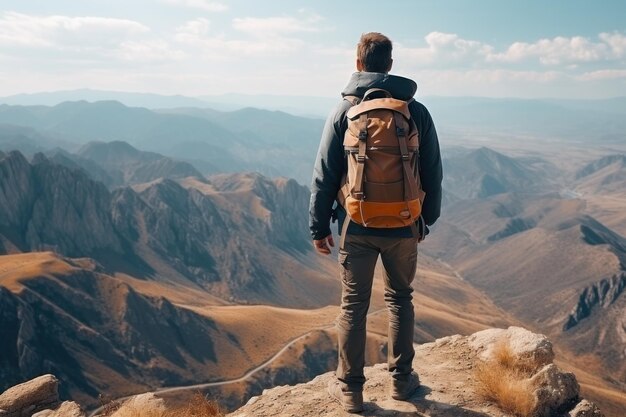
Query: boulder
x=556, y=391
x=585, y=409
x=66, y=409
x=25, y=399
x=147, y=401
x=533, y=351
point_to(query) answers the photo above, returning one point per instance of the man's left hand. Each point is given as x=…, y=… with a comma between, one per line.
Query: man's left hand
x=323, y=246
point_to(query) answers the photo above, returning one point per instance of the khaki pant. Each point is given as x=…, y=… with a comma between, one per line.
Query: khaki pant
x=357, y=261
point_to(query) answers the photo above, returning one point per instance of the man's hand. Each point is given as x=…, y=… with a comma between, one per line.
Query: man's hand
x=323, y=245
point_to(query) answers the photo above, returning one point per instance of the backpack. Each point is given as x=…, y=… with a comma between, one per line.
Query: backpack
x=382, y=187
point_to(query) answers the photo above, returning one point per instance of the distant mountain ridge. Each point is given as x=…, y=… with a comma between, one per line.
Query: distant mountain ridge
x=128, y=165
x=130, y=99
x=606, y=175
x=570, y=119
x=483, y=172
x=272, y=143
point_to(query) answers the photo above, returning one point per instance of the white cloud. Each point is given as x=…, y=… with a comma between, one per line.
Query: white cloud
x=197, y=27
x=616, y=41
x=445, y=48
x=564, y=50
x=605, y=74
x=206, y=5
x=17, y=29
x=219, y=47
x=280, y=25
x=270, y=36
x=88, y=41
x=148, y=51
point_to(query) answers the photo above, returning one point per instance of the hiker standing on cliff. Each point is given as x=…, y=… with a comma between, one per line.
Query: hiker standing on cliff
x=379, y=160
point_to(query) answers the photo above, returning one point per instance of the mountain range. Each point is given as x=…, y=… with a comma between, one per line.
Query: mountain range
x=174, y=281
x=273, y=143
x=184, y=218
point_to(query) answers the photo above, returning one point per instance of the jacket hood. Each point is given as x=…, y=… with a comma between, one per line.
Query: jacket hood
x=399, y=87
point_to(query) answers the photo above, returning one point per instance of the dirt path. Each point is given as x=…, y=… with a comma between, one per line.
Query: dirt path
x=195, y=387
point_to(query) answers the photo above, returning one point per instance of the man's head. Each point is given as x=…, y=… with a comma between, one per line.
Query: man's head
x=373, y=53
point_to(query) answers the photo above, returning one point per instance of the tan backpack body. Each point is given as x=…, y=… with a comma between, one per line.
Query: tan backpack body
x=382, y=187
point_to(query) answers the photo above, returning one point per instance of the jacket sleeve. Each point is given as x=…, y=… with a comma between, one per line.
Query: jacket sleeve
x=431, y=171
x=330, y=166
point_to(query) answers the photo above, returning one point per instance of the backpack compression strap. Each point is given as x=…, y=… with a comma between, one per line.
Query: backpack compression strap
x=353, y=100
x=410, y=187
x=357, y=187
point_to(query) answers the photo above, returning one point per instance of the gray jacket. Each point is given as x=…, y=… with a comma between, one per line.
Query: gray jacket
x=331, y=164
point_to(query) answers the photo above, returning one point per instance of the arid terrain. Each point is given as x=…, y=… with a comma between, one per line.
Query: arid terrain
x=124, y=270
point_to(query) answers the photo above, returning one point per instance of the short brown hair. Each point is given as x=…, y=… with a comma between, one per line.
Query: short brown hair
x=374, y=52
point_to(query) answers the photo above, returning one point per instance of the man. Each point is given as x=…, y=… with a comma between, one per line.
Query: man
x=362, y=245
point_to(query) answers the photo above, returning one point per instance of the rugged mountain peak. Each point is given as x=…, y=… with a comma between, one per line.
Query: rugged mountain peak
x=39, y=158
x=126, y=164
x=116, y=152
x=449, y=372
x=600, y=295
x=601, y=163
x=48, y=206
x=484, y=172
x=15, y=158
x=486, y=152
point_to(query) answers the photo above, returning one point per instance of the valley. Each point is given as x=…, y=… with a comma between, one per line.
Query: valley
x=154, y=250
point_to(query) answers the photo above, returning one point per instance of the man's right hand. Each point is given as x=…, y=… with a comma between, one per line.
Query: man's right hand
x=323, y=246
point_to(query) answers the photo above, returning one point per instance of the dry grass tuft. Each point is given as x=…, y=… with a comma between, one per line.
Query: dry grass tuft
x=506, y=382
x=198, y=406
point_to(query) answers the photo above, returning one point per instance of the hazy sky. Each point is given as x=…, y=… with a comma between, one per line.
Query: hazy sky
x=556, y=48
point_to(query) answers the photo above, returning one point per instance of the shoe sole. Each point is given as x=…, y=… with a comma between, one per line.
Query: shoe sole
x=405, y=397
x=347, y=408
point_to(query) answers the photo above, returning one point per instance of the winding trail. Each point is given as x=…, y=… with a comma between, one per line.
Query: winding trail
x=166, y=390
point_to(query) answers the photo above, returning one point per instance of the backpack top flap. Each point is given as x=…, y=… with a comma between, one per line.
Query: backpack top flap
x=393, y=104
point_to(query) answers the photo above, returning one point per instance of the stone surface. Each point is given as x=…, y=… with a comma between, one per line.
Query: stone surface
x=147, y=401
x=556, y=391
x=446, y=368
x=66, y=409
x=585, y=409
x=29, y=397
x=531, y=349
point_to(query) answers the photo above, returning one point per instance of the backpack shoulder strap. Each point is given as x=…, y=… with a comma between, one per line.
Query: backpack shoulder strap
x=354, y=100
x=378, y=91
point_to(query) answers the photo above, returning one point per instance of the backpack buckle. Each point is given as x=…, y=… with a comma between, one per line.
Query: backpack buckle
x=406, y=157
x=400, y=131
x=360, y=158
x=359, y=195
x=363, y=135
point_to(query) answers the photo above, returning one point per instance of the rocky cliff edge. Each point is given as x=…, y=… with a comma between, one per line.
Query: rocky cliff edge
x=492, y=373
x=450, y=383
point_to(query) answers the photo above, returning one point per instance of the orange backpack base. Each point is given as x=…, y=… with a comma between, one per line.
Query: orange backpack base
x=382, y=187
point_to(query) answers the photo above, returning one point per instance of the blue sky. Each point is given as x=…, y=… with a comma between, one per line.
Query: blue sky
x=573, y=49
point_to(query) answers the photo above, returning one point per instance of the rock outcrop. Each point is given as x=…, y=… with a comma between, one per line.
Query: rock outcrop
x=449, y=389
x=66, y=409
x=50, y=207
x=599, y=295
x=38, y=397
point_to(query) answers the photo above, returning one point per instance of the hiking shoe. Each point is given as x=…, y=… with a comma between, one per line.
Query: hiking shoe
x=403, y=389
x=351, y=402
